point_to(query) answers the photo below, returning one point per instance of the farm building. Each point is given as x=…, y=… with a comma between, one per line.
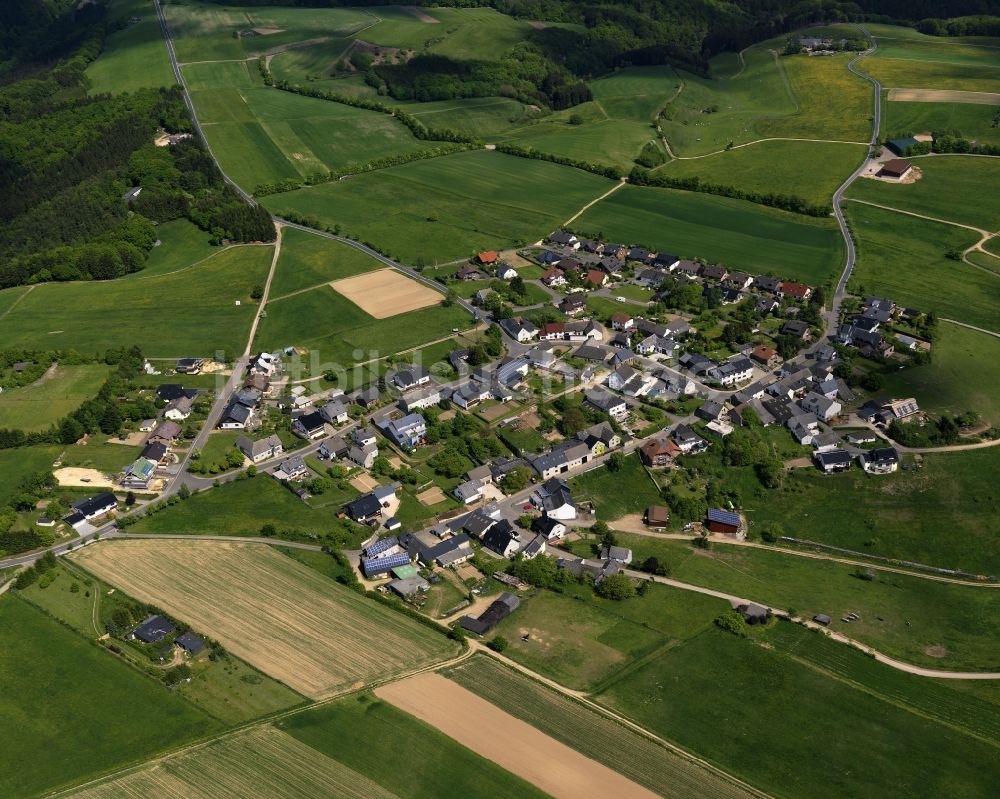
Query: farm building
x=723, y=521
x=501, y=608
x=657, y=517
x=190, y=643
x=896, y=169
x=900, y=146
x=153, y=629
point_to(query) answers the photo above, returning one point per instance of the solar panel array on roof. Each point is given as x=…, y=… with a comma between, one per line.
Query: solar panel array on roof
x=723, y=517
x=373, y=566
x=381, y=546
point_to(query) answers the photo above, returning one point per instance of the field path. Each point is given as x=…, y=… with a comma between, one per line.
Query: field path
x=761, y=141
x=959, y=447
x=608, y=193
x=14, y=304
x=984, y=233
x=509, y=742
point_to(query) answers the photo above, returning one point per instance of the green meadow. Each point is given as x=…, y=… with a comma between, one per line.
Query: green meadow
x=962, y=374
x=40, y=404
x=971, y=120
x=616, y=124
x=916, y=73
x=903, y=257
x=900, y=515
x=901, y=616
x=182, y=246
x=262, y=135
x=954, y=188
x=449, y=207
x=134, y=57
x=809, y=170
x=739, y=234
x=308, y=260
x=743, y=705
x=168, y=315
x=65, y=695
x=17, y=465
x=615, y=494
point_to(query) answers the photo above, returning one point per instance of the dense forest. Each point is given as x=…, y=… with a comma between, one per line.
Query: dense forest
x=67, y=160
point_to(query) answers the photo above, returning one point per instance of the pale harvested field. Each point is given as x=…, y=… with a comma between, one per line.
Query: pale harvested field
x=509, y=742
x=432, y=496
x=263, y=762
x=386, y=292
x=364, y=482
x=943, y=96
x=77, y=476
x=282, y=617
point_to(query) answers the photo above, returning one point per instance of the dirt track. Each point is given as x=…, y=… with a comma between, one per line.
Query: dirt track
x=75, y=476
x=385, y=292
x=509, y=742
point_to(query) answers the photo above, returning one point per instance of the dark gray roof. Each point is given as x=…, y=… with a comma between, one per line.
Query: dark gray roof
x=190, y=642
x=153, y=629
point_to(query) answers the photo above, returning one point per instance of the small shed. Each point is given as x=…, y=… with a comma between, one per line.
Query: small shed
x=896, y=168
x=657, y=517
x=822, y=618
x=723, y=521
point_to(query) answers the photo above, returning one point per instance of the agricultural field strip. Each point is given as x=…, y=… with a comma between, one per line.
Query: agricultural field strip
x=760, y=141
x=260, y=761
x=320, y=637
x=986, y=234
x=596, y=733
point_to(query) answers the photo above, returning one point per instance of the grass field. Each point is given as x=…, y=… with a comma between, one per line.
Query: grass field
x=744, y=707
x=918, y=73
x=778, y=167
x=739, y=234
x=341, y=333
x=798, y=97
x=590, y=733
x=308, y=260
x=943, y=191
x=965, y=365
x=616, y=123
x=132, y=58
x=582, y=641
x=44, y=402
x=82, y=732
x=367, y=735
x=16, y=465
x=614, y=494
x=259, y=762
x=262, y=135
x=898, y=516
x=167, y=315
x=901, y=616
x=446, y=208
x=280, y=616
x=204, y=31
x=904, y=258
x=972, y=120
x=182, y=246
x=239, y=508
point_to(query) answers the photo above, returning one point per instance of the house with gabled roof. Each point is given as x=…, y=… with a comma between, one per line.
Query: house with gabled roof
x=310, y=426
x=260, y=450
x=554, y=499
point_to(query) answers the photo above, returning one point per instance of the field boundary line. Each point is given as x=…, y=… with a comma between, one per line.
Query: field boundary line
x=621, y=182
x=984, y=233
x=996, y=441
x=140, y=276
x=14, y=304
x=762, y=141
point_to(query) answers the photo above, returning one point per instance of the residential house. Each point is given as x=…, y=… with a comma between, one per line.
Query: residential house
x=696, y=363
x=734, y=371
x=548, y=258
x=310, y=426
x=292, y=469
x=519, y=328
x=614, y=251
x=611, y=404
x=884, y=460
x=489, y=257
x=363, y=436
x=639, y=254
x=261, y=450
x=333, y=447
x=804, y=427
x=688, y=440
x=506, y=271
x=570, y=264
x=552, y=529
x=658, y=345
x=592, y=246
x=797, y=329
x=554, y=499
x=711, y=411
x=794, y=290
x=824, y=407
x=264, y=363
x=235, y=416
x=156, y=452
x=451, y=551
x=334, y=412
x=138, y=473
x=659, y=453
x=764, y=305
x=836, y=460
x=552, y=331
x=767, y=284
x=591, y=352
x=622, y=321
x=649, y=278
x=665, y=260
x=411, y=377
x=178, y=409
x=363, y=455
x=152, y=630
x=422, y=397
x=716, y=272
x=595, y=278
x=85, y=510
x=407, y=432
x=738, y=281
x=368, y=397
x=165, y=433
x=620, y=554
x=561, y=458
x=468, y=492
x=690, y=269
x=503, y=539
x=766, y=356
x=470, y=393
x=189, y=366
x=600, y=438
x=573, y=304
x=171, y=391
x=564, y=239
x=469, y=272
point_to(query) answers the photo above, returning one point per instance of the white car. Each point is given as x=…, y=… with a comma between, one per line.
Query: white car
x=620, y=299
